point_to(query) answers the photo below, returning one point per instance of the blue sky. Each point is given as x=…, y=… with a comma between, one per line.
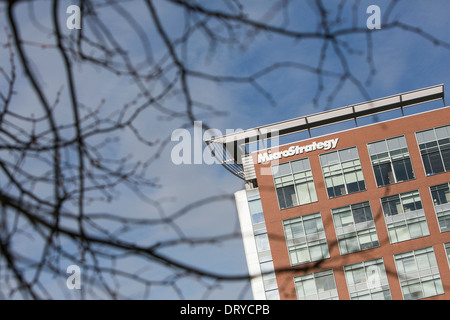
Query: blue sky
x=404, y=61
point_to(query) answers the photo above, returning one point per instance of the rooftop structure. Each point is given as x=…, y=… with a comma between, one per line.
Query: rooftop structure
x=359, y=213
x=230, y=149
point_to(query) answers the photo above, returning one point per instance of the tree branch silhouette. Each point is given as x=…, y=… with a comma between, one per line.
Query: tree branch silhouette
x=58, y=168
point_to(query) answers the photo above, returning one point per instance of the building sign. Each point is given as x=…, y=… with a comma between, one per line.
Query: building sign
x=295, y=150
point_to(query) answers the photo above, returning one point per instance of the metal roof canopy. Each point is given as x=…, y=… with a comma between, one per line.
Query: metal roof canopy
x=232, y=151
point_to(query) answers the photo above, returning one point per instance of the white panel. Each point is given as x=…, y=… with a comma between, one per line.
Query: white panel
x=376, y=104
x=422, y=93
x=251, y=252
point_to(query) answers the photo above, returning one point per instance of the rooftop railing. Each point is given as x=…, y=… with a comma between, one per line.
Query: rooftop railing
x=230, y=149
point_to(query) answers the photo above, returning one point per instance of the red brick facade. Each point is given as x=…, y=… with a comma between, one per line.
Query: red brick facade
x=359, y=137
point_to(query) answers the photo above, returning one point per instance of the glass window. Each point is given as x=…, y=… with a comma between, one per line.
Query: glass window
x=267, y=270
x=447, y=251
x=273, y=295
x=305, y=239
x=254, y=205
x=441, y=200
x=404, y=216
x=418, y=274
x=441, y=193
x=294, y=183
x=256, y=211
x=390, y=161
x=355, y=228
x=329, y=159
x=401, y=203
x=262, y=242
x=283, y=169
x=316, y=286
x=342, y=172
x=434, y=145
x=367, y=280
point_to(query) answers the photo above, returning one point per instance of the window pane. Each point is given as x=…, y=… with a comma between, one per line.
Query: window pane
x=344, y=218
x=400, y=169
x=284, y=169
x=413, y=291
x=325, y=283
x=273, y=295
x=425, y=136
x=418, y=229
x=394, y=165
x=391, y=205
x=300, y=165
x=255, y=206
x=293, y=257
x=312, y=191
x=316, y=253
x=351, y=244
x=384, y=174
x=302, y=255
x=435, y=161
x=359, y=276
x=262, y=242
x=297, y=230
x=311, y=226
x=256, y=211
x=434, y=145
x=411, y=201
x=328, y=159
x=296, y=187
x=443, y=132
x=429, y=288
x=365, y=280
x=401, y=232
x=281, y=200
x=423, y=262
x=362, y=214
x=344, y=176
x=368, y=240
x=446, y=159
x=409, y=264
x=348, y=154
x=305, y=249
x=267, y=269
x=309, y=287
x=441, y=194
x=377, y=147
x=303, y=192
x=289, y=199
x=418, y=285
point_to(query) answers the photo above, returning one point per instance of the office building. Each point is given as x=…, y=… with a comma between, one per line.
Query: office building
x=359, y=212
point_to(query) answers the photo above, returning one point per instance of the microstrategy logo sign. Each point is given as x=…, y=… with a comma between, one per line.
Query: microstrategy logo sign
x=295, y=150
